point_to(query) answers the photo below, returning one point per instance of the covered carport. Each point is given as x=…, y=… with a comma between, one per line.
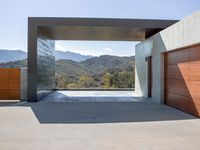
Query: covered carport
x=42, y=33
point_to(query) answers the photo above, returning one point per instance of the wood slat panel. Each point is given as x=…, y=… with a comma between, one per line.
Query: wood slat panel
x=195, y=91
x=178, y=71
x=9, y=84
x=3, y=84
x=14, y=73
x=195, y=53
x=14, y=84
x=3, y=74
x=183, y=103
x=14, y=95
x=178, y=101
x=182, y=80
x=177, y=86
x=3, y=94
x=175, y=57
x=195, y=71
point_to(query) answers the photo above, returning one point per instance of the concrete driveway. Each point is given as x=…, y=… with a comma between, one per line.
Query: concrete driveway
x=139, y=125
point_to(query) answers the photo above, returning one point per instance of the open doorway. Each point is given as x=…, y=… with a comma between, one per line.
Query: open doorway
x=92, y=65
x=149, y=76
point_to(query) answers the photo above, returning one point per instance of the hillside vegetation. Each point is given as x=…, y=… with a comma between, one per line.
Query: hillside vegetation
x=97, y=72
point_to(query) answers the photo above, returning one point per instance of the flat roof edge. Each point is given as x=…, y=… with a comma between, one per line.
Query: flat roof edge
x=123, y=22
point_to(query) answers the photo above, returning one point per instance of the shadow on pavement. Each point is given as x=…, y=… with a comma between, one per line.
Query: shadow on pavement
x=100, y=112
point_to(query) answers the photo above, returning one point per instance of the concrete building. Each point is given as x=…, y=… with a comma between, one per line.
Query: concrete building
x=174, y=55
x=167, y=59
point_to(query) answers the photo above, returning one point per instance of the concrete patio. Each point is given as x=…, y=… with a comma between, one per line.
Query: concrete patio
x=139, y=125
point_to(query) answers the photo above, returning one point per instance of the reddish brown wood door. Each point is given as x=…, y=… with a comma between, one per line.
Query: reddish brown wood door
x=182, y=79
x=9, y=84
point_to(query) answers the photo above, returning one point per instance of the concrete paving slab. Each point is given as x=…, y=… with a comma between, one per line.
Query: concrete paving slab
x=96, y=126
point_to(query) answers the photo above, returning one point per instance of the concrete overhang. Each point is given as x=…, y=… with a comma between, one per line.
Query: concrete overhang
x=98, y=28
x=43, y=31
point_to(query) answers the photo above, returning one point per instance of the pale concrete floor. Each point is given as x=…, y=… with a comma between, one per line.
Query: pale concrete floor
x=139, y=125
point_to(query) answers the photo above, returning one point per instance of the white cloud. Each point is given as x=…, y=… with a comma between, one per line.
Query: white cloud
x=107, y=49
x=15, y=46
x=59, y=47
x=91, y=52
x=81, y=51
x=96, y=48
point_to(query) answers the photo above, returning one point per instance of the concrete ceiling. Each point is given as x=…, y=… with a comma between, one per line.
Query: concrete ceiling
x=99, y=33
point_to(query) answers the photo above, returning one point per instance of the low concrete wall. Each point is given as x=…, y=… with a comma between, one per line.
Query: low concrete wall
x=23, y=92
x=182, y=34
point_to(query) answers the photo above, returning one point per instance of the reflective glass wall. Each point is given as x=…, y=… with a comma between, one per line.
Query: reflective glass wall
x=45, y=64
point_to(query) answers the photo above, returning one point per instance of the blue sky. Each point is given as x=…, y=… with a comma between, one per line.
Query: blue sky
x=14, y=13
x=97, y=48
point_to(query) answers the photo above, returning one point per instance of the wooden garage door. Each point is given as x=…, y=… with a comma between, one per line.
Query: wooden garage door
x=9, y=84
x=182, y=79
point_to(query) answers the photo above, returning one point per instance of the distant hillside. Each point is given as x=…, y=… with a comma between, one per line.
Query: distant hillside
x=95, y=65
x=97, y=72
x=14, y=64
x=71, y=56
x=12, y=55
x=108, y=62
x=92, y=66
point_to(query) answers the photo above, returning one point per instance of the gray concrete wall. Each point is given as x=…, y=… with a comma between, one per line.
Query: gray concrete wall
x=182, y=34
x=23, y=84
x=32, y=61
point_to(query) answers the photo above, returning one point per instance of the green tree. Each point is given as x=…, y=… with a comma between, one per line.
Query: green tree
x=72, y=85
x=62, y=81
x=107, y=80
x=123, y=79
x=86, y=82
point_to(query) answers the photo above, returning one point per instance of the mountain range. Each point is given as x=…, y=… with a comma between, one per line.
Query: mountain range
x=12, y=55
x=91, y=66
x=89, y=72
x=15, y=55
x=95, y=66
x=71, y=56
